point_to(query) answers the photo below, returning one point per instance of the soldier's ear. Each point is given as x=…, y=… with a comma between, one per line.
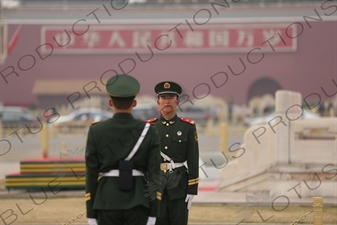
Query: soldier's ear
x=110, y=102
x=134, y=103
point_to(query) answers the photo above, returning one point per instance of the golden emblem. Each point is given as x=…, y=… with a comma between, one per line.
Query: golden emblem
x=196, y=136
x=167, y=85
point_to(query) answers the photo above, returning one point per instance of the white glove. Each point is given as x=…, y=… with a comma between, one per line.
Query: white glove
x=92, y=221
x=151, y=220
x=189, y=199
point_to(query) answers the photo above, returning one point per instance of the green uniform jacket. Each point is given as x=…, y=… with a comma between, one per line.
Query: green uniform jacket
x=179, y=141
x=108, y=142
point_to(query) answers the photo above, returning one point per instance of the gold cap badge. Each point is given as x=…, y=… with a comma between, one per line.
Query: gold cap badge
x=167, y=85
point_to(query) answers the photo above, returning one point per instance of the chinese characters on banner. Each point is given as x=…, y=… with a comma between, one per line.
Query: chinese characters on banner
x=215, y=38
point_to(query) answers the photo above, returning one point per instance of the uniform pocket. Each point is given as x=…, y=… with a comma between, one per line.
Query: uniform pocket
x=179, y=139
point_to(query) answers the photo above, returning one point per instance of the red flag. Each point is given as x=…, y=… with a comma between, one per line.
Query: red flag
x=14, y=40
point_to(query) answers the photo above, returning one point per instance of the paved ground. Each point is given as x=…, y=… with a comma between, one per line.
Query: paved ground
x=204, y=197
x=189, y=224
x=207, y=195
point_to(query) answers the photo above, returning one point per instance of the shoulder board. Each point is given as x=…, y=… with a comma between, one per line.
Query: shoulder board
x=187, y=120
x=94, y=123
x=151, y=120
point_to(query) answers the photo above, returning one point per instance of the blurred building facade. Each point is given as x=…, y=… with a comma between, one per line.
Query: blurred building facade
x=224, y=49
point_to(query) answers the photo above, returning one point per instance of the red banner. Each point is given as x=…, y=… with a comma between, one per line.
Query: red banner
x=208, y=38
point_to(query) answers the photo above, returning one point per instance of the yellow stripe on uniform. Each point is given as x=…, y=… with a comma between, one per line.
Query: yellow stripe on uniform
x=193, y=181
x=159, y=196
x=87, y=196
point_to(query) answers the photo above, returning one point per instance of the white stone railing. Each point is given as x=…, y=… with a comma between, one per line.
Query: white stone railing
x=284, y=151
x=313, y=141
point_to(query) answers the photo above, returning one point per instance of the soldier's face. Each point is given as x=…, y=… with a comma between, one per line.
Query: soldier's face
x=168, y=104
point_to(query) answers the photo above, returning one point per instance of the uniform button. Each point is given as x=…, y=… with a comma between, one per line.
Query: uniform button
x=167, y=135
x=179, y=140
x=167, y=124
x=166, y=147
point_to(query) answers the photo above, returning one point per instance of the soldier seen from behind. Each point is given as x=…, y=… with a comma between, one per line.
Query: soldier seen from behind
x=122, y=155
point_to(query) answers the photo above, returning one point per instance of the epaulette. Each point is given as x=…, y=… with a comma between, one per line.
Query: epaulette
x=94, y=123
x=151, y=120
x=187, y=120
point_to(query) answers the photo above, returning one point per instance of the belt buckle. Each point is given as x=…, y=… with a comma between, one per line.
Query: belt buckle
x=164, y=167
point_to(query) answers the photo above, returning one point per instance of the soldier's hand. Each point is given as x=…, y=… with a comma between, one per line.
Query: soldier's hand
x=92, y=221
x=151, y=220
x=189, y=199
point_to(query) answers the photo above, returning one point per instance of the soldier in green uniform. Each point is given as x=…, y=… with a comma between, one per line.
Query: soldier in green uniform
x=122, y=154
x=180, y=156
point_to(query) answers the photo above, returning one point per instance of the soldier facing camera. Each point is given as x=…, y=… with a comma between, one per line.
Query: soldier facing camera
x=179, y=156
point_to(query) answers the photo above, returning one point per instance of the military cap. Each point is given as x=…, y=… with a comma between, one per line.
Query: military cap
x=167, y=87
x=122, y=85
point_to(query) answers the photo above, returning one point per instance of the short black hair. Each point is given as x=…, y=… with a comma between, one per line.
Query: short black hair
x=122, y=102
